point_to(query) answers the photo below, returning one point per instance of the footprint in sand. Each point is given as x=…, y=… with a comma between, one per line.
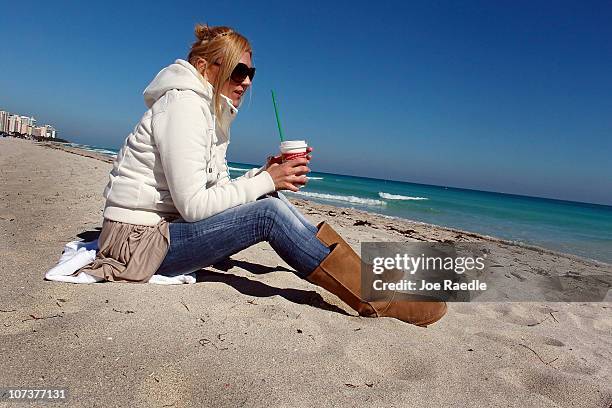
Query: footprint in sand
x=552, y=342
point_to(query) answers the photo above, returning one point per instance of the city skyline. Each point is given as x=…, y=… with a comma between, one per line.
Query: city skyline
x=17, y=123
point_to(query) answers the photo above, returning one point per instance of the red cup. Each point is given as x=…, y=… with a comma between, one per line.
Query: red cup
x=293, y=149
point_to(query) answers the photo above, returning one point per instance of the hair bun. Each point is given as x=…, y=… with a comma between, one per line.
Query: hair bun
x=204, y=32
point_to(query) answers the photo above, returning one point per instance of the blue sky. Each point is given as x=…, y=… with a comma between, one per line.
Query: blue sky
x=501, y=96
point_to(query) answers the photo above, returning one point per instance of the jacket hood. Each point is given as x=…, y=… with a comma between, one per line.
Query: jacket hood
x=181, y=76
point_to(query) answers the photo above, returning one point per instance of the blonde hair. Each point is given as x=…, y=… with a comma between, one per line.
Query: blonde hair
x=214, y=44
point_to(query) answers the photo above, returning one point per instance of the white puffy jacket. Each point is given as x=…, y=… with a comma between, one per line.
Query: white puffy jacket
x=174, y=161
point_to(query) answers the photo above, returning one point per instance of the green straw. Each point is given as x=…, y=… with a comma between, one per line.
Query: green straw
x=280, y=129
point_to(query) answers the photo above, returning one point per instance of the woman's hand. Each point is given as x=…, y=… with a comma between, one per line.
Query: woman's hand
x=279, y=159
x=290, y=174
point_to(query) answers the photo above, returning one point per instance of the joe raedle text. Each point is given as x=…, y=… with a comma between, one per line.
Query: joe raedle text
x=405, y=285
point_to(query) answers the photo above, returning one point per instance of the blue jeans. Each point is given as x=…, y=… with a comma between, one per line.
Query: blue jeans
x=270, y=218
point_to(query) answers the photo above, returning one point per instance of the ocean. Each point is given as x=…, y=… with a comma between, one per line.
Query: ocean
x=566, y=226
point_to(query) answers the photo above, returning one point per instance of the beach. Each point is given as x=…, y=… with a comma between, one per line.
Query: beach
x=251, y=333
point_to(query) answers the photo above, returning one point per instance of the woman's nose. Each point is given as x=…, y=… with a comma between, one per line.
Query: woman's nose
x=247, y=82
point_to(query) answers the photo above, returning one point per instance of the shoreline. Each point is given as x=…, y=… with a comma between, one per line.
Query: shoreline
x=409, y=222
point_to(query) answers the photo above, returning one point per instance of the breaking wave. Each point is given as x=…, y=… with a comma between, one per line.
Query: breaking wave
x=388, y=196
x=238, y=168
x=349, y=199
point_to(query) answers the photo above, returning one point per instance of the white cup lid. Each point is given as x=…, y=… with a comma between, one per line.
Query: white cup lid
x=293, y=144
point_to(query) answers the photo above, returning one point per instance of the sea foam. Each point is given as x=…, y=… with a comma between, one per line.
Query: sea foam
x=388, y=196
x=238, y=168
x=350, y=199
x=93, y=149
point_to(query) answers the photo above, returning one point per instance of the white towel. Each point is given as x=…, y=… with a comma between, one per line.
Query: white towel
x=77, y=254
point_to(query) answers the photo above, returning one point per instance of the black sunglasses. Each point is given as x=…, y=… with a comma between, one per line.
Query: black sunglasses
x=241, y=72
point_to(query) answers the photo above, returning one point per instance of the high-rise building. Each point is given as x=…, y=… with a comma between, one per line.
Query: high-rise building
x=15, y=124
x=40, y=131
x=4, y=115
x=24, y=125
x=50, y=131
x=27, y=124
x=32, y=125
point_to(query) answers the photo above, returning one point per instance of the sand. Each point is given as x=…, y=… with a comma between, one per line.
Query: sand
x=253, y=334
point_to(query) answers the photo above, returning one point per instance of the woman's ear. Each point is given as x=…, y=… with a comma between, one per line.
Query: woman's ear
x=201, y=66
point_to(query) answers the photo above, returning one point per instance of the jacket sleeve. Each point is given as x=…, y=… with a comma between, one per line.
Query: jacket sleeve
x=182, y=138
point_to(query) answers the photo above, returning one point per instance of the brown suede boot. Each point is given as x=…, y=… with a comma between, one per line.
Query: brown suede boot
x=327, y=235
x=340, y=273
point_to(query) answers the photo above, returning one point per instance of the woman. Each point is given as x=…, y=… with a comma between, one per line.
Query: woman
x=171, y=207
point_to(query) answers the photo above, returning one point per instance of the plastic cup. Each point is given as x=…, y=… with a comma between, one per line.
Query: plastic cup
x=293, y=149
